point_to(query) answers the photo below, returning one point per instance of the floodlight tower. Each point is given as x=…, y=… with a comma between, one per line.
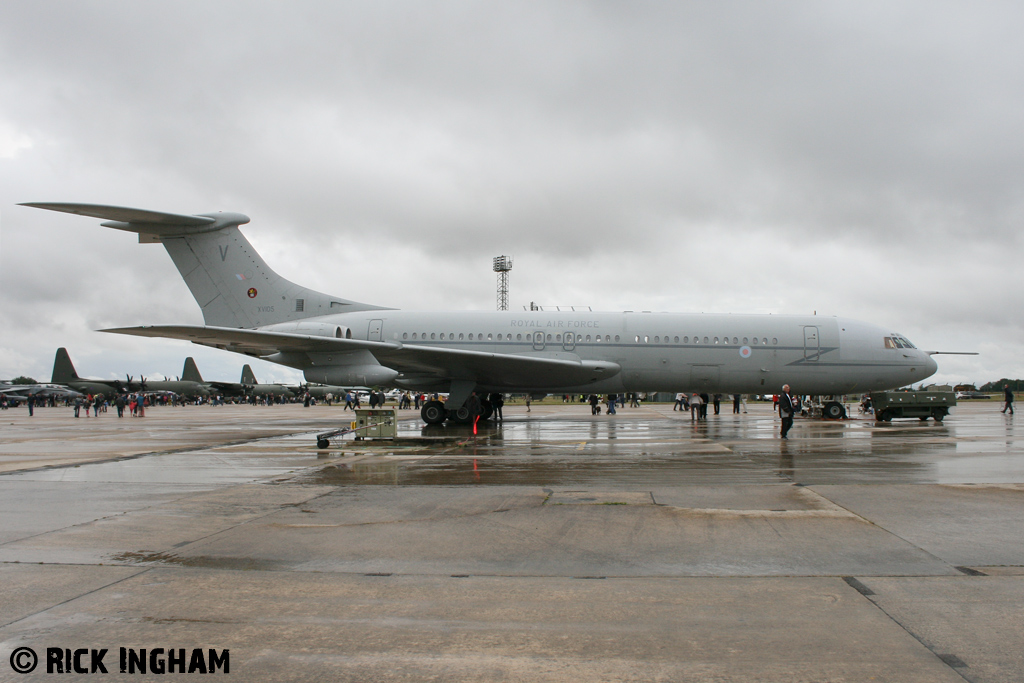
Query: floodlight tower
x=502, y=264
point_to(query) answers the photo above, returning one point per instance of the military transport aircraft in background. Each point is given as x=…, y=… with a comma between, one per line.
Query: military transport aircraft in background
x=190, y=384
x=250, y=309
x=248, y=386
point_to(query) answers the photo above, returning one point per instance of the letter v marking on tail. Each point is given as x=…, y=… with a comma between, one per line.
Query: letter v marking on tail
x=223, y=252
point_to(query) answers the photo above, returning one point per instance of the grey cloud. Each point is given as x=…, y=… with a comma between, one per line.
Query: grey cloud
x=641, y=155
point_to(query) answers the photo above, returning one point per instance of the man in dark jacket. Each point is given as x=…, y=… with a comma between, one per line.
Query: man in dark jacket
x=787, y=406
x=1008, y=397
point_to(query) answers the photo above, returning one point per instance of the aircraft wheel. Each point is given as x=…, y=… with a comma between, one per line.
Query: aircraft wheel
x=322, y=443
x=833, y=411
x=486, y=410
x=433, y=412
x=460, y=415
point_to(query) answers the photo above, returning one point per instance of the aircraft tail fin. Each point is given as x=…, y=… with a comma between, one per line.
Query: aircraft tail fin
x=190, y=373
x=248, y=377
x=231, y=283
x=63, y=369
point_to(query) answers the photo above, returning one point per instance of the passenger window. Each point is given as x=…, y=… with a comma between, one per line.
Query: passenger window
x=735, y=340
x=775, y=340
x=647, y=339
x=764, y=341
x=549, y=337
x=686, y=340
x=461, y=336
x=405, y=335
x=588, y=337
x=744, y=340
x=636, y=339
x=519, y=337
x=608, y=337
x=657, y=339
x=558, y=337
x=598, y=338
x=490, y=337
x=433, y=335
x=705, y=340
x=716, y=340
x=755, y=341
x=676, y=339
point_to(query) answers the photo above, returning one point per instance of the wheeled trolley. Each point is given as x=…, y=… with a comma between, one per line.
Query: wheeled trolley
x=370, y=423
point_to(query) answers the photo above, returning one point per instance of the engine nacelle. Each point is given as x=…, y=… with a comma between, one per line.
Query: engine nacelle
x=350, y=375
x=313, y=329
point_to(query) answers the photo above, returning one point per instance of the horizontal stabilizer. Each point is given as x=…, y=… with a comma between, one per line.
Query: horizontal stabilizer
x=147, y=222
x=123, y=214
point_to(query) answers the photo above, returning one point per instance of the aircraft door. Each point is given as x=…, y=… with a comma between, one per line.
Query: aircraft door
x=569, y=341
x=812, y=346
x=538, y=340
x=375, y=331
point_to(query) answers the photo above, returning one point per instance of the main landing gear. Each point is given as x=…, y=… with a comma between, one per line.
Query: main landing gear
x=434, y=413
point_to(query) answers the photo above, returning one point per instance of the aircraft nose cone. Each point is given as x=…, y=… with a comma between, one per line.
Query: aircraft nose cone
x=930, y=367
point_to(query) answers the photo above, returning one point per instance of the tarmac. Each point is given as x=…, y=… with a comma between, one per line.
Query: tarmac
x=557, y=546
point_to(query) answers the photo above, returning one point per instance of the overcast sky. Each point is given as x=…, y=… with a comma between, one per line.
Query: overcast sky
x=863, y=159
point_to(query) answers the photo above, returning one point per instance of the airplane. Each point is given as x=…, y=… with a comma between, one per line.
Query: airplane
x=16, y=393
x=320, y=391
x=64, y=374
x=254, y=388
x=250, y=309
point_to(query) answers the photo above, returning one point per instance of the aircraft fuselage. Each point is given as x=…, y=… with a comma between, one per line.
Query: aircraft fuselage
x=658, y=351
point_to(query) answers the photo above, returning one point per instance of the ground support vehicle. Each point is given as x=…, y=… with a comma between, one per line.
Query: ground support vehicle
x=370, y=423
x=934, y=402
x=828, y=407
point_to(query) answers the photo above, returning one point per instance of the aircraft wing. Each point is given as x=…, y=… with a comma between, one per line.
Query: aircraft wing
x=494, y=369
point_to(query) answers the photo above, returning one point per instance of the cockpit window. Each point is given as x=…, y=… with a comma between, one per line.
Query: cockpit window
x=898, y=342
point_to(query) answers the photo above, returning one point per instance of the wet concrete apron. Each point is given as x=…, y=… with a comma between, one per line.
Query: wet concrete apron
x=558, y=546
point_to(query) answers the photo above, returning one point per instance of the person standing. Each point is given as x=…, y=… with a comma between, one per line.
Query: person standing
x=31, y=405
x=529, y=398
x=717, y=403
x=735, y=404
x=695, y=408
x=788, y=405
x=1007, y=397
x=119, y=404
x=705, y=400
x=679, y=402
x=497, y=402
x=612, y=399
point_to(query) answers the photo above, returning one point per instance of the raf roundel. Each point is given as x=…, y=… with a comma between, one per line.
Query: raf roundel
x=252, y=292
x=745, y=352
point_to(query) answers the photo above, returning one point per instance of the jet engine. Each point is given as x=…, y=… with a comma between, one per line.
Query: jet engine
x=350, y=375
x=312, y=329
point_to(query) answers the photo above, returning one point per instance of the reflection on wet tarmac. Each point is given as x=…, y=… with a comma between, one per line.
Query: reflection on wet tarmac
x=646, y=449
